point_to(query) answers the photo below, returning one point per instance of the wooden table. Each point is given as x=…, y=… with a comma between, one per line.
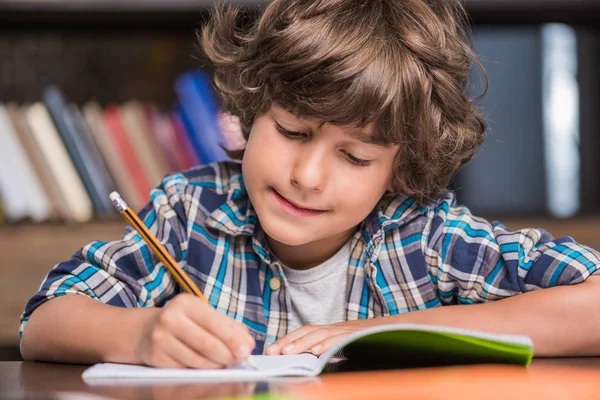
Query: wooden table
x=567, y=378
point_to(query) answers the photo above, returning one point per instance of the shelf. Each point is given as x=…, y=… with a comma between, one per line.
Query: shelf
x=194, y=5
x=118, y=5
x=31, y=250
x=185, y=14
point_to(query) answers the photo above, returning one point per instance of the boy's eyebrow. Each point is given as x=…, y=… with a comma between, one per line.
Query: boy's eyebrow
x=364, y=137
x=360, y=135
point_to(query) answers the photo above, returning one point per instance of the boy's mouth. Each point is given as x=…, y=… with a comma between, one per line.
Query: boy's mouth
x=294, y=208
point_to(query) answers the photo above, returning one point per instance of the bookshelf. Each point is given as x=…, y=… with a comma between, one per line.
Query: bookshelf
x=103, y=32
x=181, y=14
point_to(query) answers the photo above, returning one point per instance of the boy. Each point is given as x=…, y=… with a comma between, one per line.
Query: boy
x=337, y=219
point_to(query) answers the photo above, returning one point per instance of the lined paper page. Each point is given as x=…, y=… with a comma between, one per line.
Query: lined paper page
x=268, y=366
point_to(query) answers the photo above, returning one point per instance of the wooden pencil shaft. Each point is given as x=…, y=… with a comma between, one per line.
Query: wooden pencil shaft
x=163, y=255
x=180, y=276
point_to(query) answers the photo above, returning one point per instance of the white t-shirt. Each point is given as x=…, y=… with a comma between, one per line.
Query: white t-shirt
x=318, y=294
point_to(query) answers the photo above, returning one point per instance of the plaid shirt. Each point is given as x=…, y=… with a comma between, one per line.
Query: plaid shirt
x=403, y=258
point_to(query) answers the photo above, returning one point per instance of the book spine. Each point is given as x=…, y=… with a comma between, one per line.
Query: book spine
x=186, y=149
x=33, y=156
x=19, y=189
x=199, y=108
x=74, y=200
x=128, y=153
x=77, y=150
x=133, y=119
x=104, y=178
x=94, y=117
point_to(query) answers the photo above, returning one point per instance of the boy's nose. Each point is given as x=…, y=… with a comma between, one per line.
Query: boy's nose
x=309, y=171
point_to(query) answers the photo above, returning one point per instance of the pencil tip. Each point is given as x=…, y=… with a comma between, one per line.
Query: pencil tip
x=251, y=362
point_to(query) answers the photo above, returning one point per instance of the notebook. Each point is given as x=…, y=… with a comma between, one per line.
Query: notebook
x=381, y=347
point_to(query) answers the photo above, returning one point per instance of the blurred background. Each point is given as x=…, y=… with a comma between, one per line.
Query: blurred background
x=91, y=87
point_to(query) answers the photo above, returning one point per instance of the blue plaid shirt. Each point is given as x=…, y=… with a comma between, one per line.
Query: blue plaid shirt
x=403, y=257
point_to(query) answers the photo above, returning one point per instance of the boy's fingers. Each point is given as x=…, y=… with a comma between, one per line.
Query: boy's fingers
x=164, y=360
x=226, y=330
x=203, y=342
x=326, y=344
x=278, y=345
x=307, y=341
x=249, y=338
x=183, y=354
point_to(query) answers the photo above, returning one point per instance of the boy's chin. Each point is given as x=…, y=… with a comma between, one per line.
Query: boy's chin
x=289, y=237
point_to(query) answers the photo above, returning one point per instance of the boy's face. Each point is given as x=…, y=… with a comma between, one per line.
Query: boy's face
x=311, y=184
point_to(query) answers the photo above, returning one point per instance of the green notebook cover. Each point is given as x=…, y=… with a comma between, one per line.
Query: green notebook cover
x=413, y=345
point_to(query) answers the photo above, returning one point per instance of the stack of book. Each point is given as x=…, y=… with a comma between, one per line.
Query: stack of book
x=60, y=161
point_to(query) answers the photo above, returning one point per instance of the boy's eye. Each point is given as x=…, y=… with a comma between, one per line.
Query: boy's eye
x=356, y=161
x=299, y=135
x=288, y=134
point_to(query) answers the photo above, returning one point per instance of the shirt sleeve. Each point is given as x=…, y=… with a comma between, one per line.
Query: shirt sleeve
x=123, y=273
x=471, y=260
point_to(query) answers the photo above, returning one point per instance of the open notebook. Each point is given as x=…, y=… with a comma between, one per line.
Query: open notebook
x=381, y=347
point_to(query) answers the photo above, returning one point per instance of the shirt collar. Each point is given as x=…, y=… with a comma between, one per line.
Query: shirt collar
x=396, y=213
x=235, y=216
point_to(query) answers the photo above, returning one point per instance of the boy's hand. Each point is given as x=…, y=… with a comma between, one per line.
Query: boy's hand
x=188, y=333
x=315, y=339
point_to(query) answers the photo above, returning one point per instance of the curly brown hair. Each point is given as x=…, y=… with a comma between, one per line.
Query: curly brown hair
x=402, y=65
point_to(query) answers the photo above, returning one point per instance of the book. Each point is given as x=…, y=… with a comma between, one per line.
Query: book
x=187, y=154
x=128, y=153
x=104, y=180
x=93, y=115
x=20, y=189
x=135, y=124
x=34, y=155
x=162, y=131
x=79, y=151
x=200, y=115
x=380, y=347
x=75, y=204
x=46, y=171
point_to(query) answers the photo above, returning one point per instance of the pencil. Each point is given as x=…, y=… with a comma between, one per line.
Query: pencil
x=163, y=255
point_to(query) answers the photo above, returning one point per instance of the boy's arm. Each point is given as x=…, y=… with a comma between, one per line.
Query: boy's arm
x=115, y=302
x=123, y=273
x=486, y=266
x=476, y=262
x=77, y=329
x=561, y=321
x=187, y=333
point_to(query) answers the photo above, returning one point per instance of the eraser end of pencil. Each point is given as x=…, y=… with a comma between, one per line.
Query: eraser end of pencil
x=114, y=196
x=118, y=201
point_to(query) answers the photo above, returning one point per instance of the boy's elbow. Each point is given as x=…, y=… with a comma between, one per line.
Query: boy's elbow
x=34, y=334
x=25, y=347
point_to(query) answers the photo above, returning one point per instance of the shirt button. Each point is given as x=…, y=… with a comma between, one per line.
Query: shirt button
x=275, y=284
